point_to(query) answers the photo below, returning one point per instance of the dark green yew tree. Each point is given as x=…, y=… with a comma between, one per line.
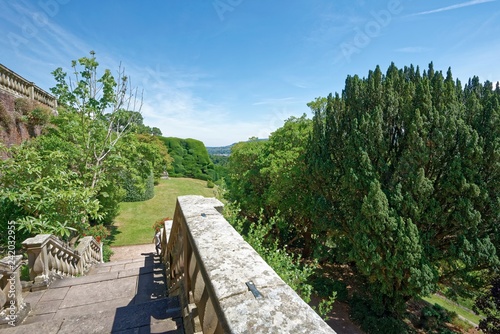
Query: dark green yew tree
x=408, y=166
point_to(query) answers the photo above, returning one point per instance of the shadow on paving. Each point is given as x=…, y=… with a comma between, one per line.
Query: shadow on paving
x=150, y=311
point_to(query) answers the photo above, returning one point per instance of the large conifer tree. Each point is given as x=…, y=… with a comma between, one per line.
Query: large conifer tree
x=408, y=166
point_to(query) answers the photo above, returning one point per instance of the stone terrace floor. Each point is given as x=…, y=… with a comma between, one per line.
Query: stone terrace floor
x=123, y=296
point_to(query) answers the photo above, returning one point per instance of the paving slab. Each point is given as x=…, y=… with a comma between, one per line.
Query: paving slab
x=91, y=308
x=96, y=292
x=38, y=318
x=127, y=296
x=83, y=280
x=54, y=294
x=33, y=298
x=45, y=327
x=162, y=315
x=42, y=307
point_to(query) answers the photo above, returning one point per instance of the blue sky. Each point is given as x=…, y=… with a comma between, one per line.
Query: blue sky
x=222, y=71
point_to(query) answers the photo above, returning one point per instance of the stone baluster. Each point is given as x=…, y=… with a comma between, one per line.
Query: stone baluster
x=12, y=82
x=13, y=309
x=3, y=291
x=49, y=257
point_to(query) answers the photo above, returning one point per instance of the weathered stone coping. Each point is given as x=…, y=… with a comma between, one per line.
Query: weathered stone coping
x=213, y=264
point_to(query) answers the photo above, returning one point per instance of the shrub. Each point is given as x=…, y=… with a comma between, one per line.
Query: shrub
x=488, y=303
x=99, y=232
x=39, y=116
x=433, y=317
x=6, y=119
x=107, y=252
x=138, y=189
x=210, y=184
x=23, y=106
x=160, y=223
x=372, y=319
x=326, y=287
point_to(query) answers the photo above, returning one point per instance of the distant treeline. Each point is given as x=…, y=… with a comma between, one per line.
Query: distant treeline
x=222, y=150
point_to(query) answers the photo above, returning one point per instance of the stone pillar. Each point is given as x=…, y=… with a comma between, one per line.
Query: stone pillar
x=38, y=260
x=13, y=309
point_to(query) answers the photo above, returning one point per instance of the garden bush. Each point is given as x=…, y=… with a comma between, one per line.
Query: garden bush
x=372, y=318
x=6, y=119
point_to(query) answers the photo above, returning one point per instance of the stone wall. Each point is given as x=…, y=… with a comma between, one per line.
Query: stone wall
x=224, y=283
x=13, y=86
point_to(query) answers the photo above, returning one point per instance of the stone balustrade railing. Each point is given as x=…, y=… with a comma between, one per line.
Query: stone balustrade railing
x=16, y=84
x=223, y=284
x=13, y=309
x=49, y=258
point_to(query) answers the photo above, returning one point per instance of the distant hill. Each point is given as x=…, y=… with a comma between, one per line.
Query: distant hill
x=190, y=158
x=223, y=150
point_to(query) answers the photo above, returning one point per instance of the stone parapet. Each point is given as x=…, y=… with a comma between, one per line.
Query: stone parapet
x=226, y=287
x=17, y=85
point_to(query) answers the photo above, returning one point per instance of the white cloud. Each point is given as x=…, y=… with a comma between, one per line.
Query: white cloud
x=460, y=5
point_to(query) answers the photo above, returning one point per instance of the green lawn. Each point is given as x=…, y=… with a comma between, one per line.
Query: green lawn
x=450, y=306
x=133, y=225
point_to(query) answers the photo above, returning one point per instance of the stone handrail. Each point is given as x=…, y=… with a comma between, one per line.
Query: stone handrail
x=223, y=284
x=16, y=84
x=49, y=257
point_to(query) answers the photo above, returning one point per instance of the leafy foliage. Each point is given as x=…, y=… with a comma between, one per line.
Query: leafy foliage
x=6, y=119
x=190, y=158
x=372, y=317
x=489, y=304
x=433, y=316
x=70, y=179
x=247, y=184
x=96, y=101
x=160, y=223
x=41, y=194
x=99, y=232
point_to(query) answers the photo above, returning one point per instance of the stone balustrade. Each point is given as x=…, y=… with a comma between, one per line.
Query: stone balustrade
x=13, y=309
x=49, y=258
x=223, y=284
x=17, y=85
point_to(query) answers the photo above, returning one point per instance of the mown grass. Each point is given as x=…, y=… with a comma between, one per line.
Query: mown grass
x=133, y=225
x=452, y=307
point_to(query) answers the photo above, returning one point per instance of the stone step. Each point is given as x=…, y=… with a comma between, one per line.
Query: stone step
x=158, y=316
x=126, y=265
x=127, y=296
